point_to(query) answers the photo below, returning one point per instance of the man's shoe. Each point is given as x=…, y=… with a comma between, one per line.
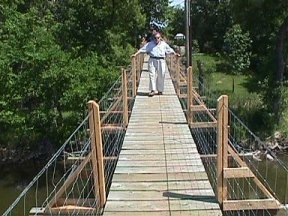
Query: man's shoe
x=151, y=94
x=160, y=93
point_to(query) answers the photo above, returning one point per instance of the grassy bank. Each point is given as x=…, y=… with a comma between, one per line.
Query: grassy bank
x=244, y=98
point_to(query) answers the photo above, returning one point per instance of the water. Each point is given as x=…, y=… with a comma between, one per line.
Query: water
x=13, y=180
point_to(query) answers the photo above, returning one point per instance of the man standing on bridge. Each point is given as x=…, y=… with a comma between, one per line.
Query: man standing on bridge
x=157, y=49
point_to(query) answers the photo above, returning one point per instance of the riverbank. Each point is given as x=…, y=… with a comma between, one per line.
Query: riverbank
x=21, y=155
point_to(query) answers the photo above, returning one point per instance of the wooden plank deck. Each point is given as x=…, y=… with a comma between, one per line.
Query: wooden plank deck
x=159, y=171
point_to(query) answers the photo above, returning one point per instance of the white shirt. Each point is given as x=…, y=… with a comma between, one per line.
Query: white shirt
x=157, y=50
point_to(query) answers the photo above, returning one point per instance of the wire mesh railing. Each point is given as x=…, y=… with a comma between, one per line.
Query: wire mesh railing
x=270, y=170
x=69, y=183
x=46, y=183
x=267, y=166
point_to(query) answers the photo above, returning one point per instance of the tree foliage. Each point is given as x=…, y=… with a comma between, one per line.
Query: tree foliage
x=54, y=57
x=237, y=47
x=210, y=20
x=267, y=24
x=176, y=21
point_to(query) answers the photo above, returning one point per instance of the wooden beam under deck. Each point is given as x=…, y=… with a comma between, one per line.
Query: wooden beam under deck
x=203, y=125
x=251, y=204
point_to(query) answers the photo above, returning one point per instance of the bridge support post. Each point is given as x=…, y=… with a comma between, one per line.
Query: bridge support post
x=125, y=99
x=190, y=95
x=171, y=66
x=138, y=66
x=224, y=172
x=97, y=153
x=142, y=61
x=222, y=145
x=134, y=79
x=177, y=71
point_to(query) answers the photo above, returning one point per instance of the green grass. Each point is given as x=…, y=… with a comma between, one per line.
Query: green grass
x=224, y=82
x=245, y=100
x=220, y=80
x=209, y=61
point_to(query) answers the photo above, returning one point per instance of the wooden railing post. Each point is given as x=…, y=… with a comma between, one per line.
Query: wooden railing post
x=136, y=67
x=125, y=98
x=171, y=63
x=177, y=71
x=134, y=81
x=138, y=63
x=222, y=147
x=142, y=60
x=97, y=152
x=189, y=95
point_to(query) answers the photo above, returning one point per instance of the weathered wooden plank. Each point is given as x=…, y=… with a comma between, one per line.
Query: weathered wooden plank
x=241, y=172
x=137, y=163
x=178, y=145
x=171, y=169
x=167, y=140
x=156, y=145
x=197, y=212
x=125, y=206
x=159, y=205
x=230, y=205
x=144, y=146
x=152, y=128
x=75, y=202
x=158, y=157
x=128, y=177
x=160, y=195
x=160, y=186
x=138, y=213
x=165, y=133
x=151, y=141
x=70, y=209
x=167, y=213
x=141, y=152
x=181, y=151
x=158, y=151
x=196, y=203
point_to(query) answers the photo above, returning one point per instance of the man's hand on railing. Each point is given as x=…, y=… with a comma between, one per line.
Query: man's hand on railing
x=135, y=54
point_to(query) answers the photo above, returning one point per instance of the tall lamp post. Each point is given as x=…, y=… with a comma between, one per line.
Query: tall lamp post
x=188, y=31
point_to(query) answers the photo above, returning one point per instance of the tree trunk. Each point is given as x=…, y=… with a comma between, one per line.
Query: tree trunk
x=280, y=65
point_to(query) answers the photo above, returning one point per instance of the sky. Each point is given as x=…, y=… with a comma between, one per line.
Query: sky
x=177, y=2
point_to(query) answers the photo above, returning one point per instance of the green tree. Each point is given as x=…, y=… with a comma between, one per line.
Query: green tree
x=27, y=50
x=45, y=88
x=90, y=25
x=267, y=23
x=210, y=20
x=176, y=21
x=237, y=47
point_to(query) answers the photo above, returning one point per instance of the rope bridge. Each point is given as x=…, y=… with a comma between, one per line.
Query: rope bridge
x=76, y=180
